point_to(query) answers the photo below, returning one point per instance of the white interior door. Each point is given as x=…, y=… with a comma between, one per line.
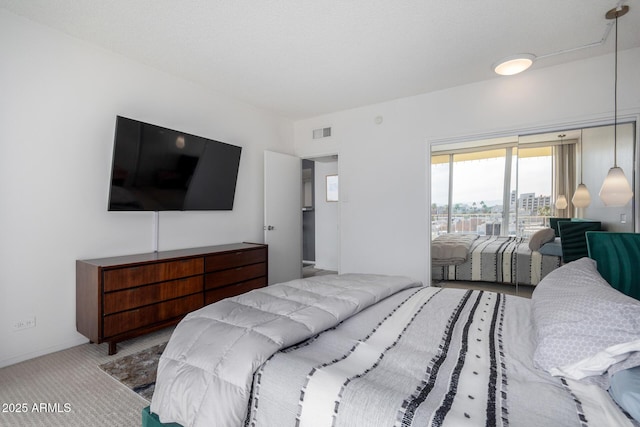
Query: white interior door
x=283, y=215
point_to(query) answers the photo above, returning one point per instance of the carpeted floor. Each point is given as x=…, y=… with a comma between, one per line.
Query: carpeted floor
x=68, y=388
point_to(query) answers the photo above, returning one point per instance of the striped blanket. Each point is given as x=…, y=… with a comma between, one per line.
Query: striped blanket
x=424, y=357
x=501, y=260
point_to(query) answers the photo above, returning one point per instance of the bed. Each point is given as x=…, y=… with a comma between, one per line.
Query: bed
x=508, y=259
x=498, y=259
x=369, y=350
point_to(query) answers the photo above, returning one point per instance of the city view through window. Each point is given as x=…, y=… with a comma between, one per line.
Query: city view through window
x=478, y=181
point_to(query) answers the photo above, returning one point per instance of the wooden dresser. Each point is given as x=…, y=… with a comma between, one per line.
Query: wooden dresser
x=122, y=297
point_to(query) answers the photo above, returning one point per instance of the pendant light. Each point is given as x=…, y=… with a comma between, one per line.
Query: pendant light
x=581, y=198
x=561, y=200
x=616, y=190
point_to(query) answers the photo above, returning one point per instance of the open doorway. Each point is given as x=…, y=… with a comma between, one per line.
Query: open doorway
x=320, y=216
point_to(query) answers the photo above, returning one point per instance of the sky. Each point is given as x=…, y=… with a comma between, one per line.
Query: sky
x=482, y=180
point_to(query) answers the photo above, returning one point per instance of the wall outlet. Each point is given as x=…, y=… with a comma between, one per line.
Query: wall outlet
x=24, y=323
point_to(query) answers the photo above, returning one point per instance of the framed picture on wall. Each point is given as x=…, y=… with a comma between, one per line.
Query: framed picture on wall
x=332, y=188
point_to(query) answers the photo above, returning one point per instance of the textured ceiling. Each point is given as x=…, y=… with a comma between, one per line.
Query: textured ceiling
x=302, y=58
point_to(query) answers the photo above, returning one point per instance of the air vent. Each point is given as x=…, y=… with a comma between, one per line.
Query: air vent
x=321, y=133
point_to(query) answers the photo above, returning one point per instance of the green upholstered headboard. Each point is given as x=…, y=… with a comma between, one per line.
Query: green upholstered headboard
x=553, y=223
x=572, y=240
x=618, y=258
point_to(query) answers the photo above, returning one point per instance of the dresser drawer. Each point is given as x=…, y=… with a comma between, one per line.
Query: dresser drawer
x=234, y=275
x=235, y=259
x=217, y=294
x=145, y=295
x=132, y=319
x=127, y=277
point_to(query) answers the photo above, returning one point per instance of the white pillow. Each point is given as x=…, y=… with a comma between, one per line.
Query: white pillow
x=541, y=237
x=584, y=327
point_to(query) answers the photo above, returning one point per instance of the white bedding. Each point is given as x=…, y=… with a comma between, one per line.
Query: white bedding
x=205, y=373
x=367, y=350
x=451, y=248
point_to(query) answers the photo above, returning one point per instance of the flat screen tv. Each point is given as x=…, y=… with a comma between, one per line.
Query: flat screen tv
x=159, y=169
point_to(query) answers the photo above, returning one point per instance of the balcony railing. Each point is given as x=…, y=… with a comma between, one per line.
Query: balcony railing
x=487, y=224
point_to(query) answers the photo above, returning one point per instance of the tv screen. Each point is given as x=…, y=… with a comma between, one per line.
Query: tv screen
x=159, y=169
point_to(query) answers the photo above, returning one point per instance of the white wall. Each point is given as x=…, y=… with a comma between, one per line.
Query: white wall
x=384, y=173
x=598, y=149
x=59, y=99
x=327, y=246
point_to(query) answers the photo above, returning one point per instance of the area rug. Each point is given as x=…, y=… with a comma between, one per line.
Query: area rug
x=137, y=371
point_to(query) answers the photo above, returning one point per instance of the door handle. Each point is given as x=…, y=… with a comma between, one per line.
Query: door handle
x=269, y=227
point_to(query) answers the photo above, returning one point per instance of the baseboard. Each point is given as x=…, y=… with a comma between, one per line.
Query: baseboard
x=42, y=352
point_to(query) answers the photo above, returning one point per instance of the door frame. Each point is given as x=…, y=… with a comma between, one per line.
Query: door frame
x=331, y=157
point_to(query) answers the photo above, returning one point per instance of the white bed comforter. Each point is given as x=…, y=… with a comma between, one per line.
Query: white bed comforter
x=451, y=248
x=205, y=373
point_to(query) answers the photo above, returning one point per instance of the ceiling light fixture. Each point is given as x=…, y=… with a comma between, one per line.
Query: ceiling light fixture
x=616, y=190
x=514, y=64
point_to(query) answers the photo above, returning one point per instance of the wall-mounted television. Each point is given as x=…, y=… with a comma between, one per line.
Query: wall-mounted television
x=160, y=169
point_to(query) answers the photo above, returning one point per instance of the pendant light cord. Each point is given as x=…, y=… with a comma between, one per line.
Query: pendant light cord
x=581, y=156
x=615, y=102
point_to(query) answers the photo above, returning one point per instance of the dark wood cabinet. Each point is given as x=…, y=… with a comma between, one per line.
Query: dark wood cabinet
x=122, y=297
